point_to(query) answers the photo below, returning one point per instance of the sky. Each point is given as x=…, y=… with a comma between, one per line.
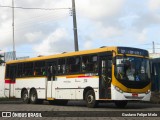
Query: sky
x=131, y=23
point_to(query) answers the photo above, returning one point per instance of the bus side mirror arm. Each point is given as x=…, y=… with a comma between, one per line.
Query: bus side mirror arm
x=114, y=60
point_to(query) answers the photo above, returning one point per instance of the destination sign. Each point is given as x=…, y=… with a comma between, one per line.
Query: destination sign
x=133, y=51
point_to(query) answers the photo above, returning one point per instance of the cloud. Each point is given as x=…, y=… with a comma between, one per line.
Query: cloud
x=99, y=9
x=154, y=5
x=56, y=42
x=99, y=22
x=108, y=32
x=142, y=37
x=31, y=26
x=5, y=34
x=34, y=36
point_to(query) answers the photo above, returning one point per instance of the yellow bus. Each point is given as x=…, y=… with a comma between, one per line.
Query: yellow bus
x=118, y=74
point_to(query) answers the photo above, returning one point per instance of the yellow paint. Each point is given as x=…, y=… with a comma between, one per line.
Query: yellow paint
x=50, y=98
x=115, y=82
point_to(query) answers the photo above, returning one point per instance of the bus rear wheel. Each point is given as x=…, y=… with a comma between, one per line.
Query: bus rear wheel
x=90, y=99
x=34, y=98
x=121, y=104
x=25, y=97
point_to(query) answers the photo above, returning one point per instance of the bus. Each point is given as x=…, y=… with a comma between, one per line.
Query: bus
x=118, y=74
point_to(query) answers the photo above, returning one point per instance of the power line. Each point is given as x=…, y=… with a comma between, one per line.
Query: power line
x=27, y=8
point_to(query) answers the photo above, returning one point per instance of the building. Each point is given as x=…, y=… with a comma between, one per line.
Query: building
x=2, y=71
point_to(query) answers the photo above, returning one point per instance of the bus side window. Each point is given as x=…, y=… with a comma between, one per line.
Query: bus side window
x=20, y=70
x=7, y=71
x=89, y=63
x=61, y=66
x=73, y=65
x=84, y=63
x=95, y=63
x=39, y=68
x=28, y=69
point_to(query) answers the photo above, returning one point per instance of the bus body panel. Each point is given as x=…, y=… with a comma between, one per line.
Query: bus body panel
x=38, y=83
x=72, y=88
x=9, y=88
x=117, y=95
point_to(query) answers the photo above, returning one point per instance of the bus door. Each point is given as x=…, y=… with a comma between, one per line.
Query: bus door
x=105, y=63
x=50, y=73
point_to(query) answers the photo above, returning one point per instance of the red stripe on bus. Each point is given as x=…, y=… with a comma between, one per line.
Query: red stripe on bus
x=84, y=76
x=9, y=82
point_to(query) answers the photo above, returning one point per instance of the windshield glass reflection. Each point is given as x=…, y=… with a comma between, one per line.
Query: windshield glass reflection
x=132, y=68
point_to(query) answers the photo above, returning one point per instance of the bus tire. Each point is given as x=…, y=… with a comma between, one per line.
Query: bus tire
x=90, y=99
x=25, y=97
x=33, y=97
x=121, y=104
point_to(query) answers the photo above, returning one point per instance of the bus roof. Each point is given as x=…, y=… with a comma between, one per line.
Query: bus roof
x=69, y=54
x=84, y=52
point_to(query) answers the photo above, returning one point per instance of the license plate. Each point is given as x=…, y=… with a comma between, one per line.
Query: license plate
x=134, y=94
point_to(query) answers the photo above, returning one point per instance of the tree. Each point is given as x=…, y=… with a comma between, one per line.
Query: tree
x=1, y=60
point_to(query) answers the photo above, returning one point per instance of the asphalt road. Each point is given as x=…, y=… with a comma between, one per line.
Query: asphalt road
x=141, y=110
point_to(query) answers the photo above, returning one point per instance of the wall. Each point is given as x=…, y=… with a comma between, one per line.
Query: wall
x=2, y=72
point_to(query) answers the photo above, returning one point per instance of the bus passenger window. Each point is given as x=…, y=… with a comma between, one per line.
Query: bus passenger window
x=61, y=66
x=83, y=67
x=38, y=68
x=73, y=65
x=89, y=63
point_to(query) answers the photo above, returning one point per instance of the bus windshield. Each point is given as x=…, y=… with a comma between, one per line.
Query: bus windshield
x=132, y=68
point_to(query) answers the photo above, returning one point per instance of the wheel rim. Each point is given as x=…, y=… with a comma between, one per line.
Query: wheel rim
x=90, y=98
x=33, y=97
x=25, y=97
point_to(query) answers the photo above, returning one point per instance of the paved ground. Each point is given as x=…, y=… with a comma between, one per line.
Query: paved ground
x=77, y=107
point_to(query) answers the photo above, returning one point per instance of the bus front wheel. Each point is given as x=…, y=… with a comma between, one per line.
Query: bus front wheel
x=121, y=104
x=90, y=99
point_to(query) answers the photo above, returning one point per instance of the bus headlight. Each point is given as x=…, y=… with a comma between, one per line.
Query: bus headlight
x=148, y=91
x=118, y=89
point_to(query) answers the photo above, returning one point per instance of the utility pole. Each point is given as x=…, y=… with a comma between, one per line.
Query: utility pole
x=153, y=47
x=75, y=26
x=14, y=51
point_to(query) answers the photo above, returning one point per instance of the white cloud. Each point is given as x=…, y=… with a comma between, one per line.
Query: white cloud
x=30, y=25
x=109, y=32
x=142, y=37
x=98, y=21
x=56, y=42
x=99, y=9
x=33, y=37
x=5, y=34
x=154, y=5
x=88, y=45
